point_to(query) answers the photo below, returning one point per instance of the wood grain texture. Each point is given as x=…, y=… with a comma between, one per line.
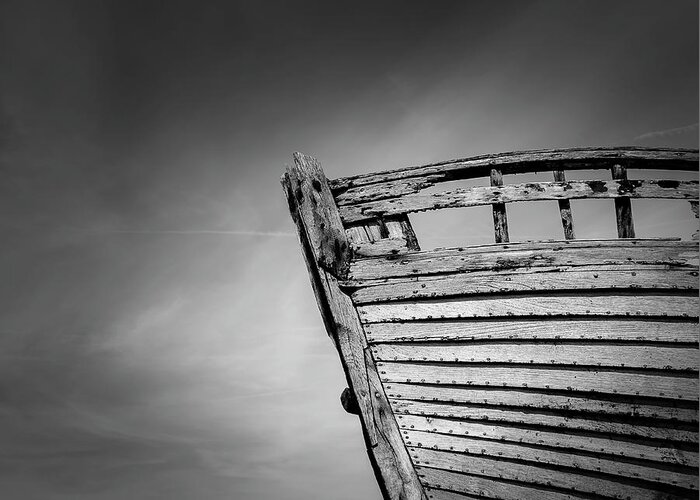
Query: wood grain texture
x=544, y=419
x=485, y=487
x=595, y=329
x=567, y=220
x=427, y=455
x=500, y=194
x=532, y=399
x=318, y=214
x=623, y=206
x=580, y=380
x=599, y=445
x=571, y=253
x=500, y=218
x=485, y=466
x=606, y=355
x=395, y=472
x=532, y=305
x=545, y=279
x=528, y=161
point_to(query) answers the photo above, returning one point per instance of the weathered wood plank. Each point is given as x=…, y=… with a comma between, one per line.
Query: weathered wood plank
x=583, y=380
x=500, y=218
x=529, y=161
x=532, y=305
x=581, y=278
x=641, y=330
x=529, y=398
x=572, y=253
x=528, y=416
x=439, y=494
x=318, y=214
x=623, y=206
x=498, y=195
x=567, y=220
x=601, y=446
x=630, y=356
x=497, y=467
x=485, y=487
x=601, y=464
x=395, y=472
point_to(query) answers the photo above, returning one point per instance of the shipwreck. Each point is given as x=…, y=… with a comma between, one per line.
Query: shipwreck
x=512, y=370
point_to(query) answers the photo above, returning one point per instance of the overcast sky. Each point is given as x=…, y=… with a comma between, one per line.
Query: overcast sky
x=158, y=334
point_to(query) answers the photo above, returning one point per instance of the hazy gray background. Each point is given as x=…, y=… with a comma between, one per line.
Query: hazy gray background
x=158, y=333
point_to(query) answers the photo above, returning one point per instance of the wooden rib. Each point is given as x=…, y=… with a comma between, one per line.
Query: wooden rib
x=563, y=278
x=535, y=474
x=603, y=447
x=630, y=356
x=572, y=253
x=387, y=453
x=601, y=464
x=694, y=207
x=529, y=161
x=400, y=227
x=500, y=219
x=623, y=206
x=567, y=220
x=538, y=400
x=543, y=419
x=498, y=195
x=580, y=380
x=603, y=329
x=532, y=305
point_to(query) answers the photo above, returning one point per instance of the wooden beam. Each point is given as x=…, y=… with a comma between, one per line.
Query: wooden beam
x=623, y=206
x=563, y=191
x=519, y=162
x=395, y=473
x=500, y=219
x=567, y=220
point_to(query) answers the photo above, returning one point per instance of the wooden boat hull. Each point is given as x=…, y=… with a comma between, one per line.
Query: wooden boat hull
x=564, y=369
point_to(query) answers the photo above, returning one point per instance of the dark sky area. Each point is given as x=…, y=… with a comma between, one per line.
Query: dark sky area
x=158, y=334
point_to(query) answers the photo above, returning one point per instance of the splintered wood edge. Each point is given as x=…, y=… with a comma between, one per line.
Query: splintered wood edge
x=388, y=454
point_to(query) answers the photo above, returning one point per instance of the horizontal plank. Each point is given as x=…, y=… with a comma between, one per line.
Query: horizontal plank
x=484, y=466
x=531, y=161
x=525, y=416
x=601, y=329
x=532, y=305
x=585, y=380
x=440, y=494
x=610, y=465
x=531, y=191
x=449, y=285
x=630, y=356
x=500, y=257
x=603, y=447
x=529, y=398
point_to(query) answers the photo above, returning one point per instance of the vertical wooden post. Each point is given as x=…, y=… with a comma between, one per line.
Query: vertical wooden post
x=694, y=208
x=500, y=220
x=623, y=206
x=567, y=220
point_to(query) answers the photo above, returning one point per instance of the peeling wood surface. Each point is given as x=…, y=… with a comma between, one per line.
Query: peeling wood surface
x=562, y=329
x=531, y=191
x=499, y=468
x=535, y=455
x=606, y=355
x=567, y=220
x=546, y=280
x=435, y=430
x=530, y=161
x=529, y=255
x=500, y=218
x=544, y=419
x=596, y=380
x=532, y=399
x=533, y=305
x=623, y=206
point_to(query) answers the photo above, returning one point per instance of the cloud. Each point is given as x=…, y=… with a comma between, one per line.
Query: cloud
x=667, y=133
